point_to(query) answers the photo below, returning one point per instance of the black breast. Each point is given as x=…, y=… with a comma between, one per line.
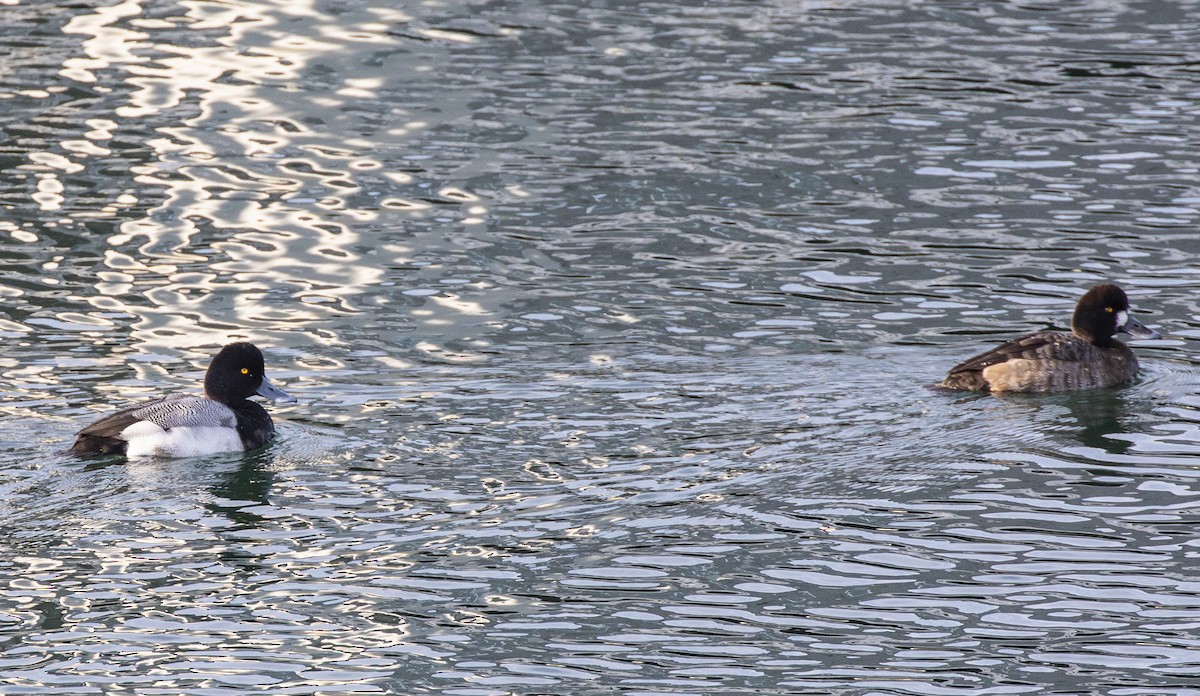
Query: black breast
x=254, y=425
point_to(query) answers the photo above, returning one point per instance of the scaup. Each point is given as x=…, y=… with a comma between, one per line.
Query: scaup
x=188, y=425
x=1053, y=361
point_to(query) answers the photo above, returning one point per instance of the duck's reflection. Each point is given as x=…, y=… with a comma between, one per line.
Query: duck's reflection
x=1096, y=417
x=244, y=487
x=1099, y=414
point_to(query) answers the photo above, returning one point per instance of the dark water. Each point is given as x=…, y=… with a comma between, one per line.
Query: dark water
x=612, y=325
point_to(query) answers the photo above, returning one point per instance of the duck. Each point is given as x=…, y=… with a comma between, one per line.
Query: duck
x=1055, y=361
x=190, y=425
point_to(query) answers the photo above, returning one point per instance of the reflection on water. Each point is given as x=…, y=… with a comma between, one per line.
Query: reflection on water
x=1099, y=417
x=613, y=331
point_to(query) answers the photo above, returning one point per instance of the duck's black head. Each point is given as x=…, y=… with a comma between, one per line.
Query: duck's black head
x=237, y=373
x=1102, y=312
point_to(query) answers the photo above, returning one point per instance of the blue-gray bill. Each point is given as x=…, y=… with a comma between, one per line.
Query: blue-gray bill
x=1137, y=329
x=274, y=393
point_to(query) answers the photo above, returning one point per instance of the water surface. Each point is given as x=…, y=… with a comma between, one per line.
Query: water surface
x=613, y=327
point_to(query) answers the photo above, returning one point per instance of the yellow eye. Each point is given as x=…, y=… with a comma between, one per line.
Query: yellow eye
x=1108, y=309
x=246, y=370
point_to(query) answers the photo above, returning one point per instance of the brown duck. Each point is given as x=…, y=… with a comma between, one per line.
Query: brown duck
x=1054, y=361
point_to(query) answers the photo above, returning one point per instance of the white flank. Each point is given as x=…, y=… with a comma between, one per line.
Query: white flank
x=148, y=440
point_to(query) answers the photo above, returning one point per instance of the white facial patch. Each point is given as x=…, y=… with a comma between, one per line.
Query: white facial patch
x=1122, y=317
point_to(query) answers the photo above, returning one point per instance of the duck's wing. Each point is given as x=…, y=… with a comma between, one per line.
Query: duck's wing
x=186, y=410
x=105, y=435
x=1041, y=346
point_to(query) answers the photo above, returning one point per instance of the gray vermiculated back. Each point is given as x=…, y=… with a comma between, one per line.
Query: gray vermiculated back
x=191, y=410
